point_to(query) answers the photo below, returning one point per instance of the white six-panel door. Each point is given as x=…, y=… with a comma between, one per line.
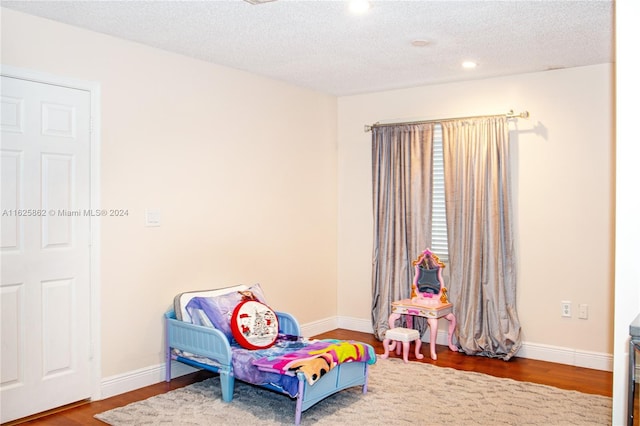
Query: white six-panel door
x=45, y=247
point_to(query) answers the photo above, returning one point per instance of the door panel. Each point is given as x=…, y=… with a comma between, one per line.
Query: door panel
x=57, y=195
x=12, y=314
x=45, y=279
x=11, y=224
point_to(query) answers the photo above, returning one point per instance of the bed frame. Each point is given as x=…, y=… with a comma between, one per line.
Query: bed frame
x=211, y=343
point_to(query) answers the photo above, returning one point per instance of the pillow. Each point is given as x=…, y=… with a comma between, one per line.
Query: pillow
x=219, y=309
x=181, y=300
x=254, y=325
x=199, y=317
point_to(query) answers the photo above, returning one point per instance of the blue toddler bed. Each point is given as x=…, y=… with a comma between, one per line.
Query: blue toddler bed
x=206, y=330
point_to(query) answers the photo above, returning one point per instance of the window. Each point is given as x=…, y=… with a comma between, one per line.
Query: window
x=439, y=226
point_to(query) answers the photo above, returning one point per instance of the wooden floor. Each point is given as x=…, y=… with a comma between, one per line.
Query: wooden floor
x=558, y=375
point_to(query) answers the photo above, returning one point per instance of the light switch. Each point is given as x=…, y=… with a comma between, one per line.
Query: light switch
x=583, y=312
x=152, y=217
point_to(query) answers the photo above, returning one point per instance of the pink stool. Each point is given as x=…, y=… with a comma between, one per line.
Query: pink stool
x=393, y=337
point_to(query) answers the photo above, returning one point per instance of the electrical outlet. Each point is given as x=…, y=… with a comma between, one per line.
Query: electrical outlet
x=565, y=309
x=583, y=312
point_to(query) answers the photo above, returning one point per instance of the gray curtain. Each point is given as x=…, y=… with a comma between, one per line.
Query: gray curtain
x=482, y=275
x=402, y=214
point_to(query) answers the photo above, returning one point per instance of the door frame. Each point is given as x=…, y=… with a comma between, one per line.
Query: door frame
x=94, y=285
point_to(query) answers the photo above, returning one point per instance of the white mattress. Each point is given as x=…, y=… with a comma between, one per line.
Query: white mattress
x=181, y=300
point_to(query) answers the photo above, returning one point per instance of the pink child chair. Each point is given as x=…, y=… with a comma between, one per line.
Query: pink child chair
x=399, y=339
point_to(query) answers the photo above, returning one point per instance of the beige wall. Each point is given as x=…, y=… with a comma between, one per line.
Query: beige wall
x=245, y=170
x=242, y=168
x=563, y=192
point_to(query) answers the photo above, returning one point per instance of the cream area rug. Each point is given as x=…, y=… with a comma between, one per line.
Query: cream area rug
x=413, y=393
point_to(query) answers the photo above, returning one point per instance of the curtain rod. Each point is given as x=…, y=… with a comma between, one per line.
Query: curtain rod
x=510, y=114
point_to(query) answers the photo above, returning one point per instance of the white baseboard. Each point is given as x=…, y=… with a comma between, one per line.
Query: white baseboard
x=355, y=324
x=319, y=327
x=557, y=354
x=126, y=382
x=561, y=355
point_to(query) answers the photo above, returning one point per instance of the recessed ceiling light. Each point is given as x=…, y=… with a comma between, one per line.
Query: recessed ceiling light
x=469, y=65
x=420, y=43
x=359, y=7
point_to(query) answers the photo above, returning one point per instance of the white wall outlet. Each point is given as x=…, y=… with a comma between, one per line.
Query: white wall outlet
x=565, y=309
x=583, y=311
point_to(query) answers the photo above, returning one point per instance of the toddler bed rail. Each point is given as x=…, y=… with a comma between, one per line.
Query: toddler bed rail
x=207, y=342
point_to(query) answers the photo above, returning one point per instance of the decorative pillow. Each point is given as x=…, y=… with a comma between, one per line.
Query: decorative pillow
x=254, y=325
x=219, y=309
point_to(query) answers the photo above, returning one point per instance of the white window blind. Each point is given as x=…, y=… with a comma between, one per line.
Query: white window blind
x=439, y=225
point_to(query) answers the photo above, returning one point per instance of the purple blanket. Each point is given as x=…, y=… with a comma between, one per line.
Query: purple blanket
x=316, y=358
x=277, y=366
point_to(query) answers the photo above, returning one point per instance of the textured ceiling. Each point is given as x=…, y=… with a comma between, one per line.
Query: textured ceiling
x=320, y=45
